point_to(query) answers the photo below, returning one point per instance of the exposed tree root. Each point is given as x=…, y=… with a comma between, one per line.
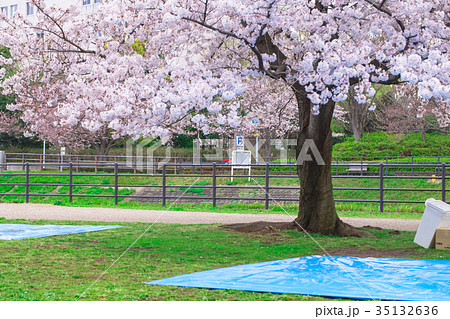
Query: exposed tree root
x=346, y=230
x=342, y=229
x=261, y=227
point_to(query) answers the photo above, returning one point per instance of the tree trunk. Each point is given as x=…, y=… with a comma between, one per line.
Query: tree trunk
x=268, y=146
x=101, y=147
x=424, y=136
x=358, y=114
x=317, y=212
x=104, y=145
x=357, y=125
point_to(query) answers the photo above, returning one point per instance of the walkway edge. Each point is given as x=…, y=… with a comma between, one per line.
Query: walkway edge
x=52, y=212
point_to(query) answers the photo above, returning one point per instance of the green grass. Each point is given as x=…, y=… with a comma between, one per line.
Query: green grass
x=63, y=267
x=239, y=208
x=382, y=144
x=194, y=190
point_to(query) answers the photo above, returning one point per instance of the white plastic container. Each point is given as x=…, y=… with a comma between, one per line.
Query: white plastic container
x=437, y=214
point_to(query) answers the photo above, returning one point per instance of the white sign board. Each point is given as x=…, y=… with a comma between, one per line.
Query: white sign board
x=63, y=150
x=437, y=214
x=241, y=160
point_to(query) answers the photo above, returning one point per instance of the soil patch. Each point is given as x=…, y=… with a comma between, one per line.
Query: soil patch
x=205, y=195
x=261, y=227
x=140, y=249
x=84, y=243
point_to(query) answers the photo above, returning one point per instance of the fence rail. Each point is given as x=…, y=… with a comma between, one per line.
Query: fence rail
x=139, y=161
x=134, y=163
x=381, y=172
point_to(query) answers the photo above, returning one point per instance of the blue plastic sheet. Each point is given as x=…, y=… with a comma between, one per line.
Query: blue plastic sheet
x=21, y=231
x=345, y=277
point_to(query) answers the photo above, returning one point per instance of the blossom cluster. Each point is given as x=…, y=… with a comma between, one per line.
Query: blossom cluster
x=151, y=68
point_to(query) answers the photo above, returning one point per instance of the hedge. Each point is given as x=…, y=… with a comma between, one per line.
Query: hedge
x=382, y=144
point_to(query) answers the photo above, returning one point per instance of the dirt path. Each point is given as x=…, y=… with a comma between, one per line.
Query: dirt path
x=52, y=212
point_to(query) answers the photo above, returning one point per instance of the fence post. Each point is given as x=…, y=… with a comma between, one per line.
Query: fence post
x=337, y=165
x=267, y=185
x=361, y=166
x=27, y=183
x=3, y=160
x=443, y=182
x=201, y=166
x=95, y=169
x=70, y=181
x=23, y=161
x=289, y=165
x=116, y=183
x=412, y=167
x=164, y=185
x=40, y=162
x=381, y=187
x=214, y=185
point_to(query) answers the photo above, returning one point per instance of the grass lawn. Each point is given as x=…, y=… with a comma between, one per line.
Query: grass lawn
x=63, y=267
x=238, y=208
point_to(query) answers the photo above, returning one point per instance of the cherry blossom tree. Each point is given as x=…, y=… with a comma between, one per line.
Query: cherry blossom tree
x=269, y=105
x=45, y=124
x=442, y=113
x=355, y=113
x=268, y=109
x=8, y=124
x=147, y=67
x=404, y=111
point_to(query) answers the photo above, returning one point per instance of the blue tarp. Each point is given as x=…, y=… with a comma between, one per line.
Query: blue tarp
x=344, y=277
x=21, y=231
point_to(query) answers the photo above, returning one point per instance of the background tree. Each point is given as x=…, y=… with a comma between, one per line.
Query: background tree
x=402, y=110
x=268, y=108
x=44, y=123
x=269, y=105
x=358, y=114
x=10, y=126
x=197, y=54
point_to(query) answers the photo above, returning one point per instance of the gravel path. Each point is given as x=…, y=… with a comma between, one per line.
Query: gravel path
x=52, y=212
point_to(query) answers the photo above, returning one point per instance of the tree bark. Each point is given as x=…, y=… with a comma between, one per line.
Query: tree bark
x=358, y=119
x=358, y=115
x=317, y=212
x=102, y=147
x=268, y=146
x=424, y=136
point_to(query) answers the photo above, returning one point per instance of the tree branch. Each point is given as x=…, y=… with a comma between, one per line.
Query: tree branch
x=233, y=35
x=63, y=34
